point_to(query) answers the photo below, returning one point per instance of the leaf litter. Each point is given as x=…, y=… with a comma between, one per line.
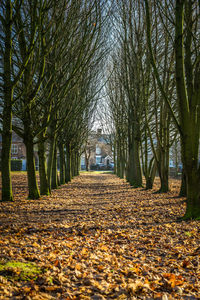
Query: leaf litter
x=98, y=238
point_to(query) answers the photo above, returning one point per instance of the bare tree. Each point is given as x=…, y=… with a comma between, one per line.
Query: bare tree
x=187, y=68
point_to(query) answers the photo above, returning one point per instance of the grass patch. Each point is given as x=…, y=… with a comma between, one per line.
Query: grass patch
x=98, y=172
x=20, y=271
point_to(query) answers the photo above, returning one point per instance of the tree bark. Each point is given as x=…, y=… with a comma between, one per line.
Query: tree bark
x=6, y=155
x=135, y=173
x=68, y=164
x=44, y=186
x=87, y=157
x=50, y=161
x=193, y=195
x=54, y=179
x=163, y=169
x=114, y=154
x=32, y=182
x=73, y=163
x=62, y=165
x=151, y=175
x=118, y=158
x=183, y=191
x=7, y=194
x=77, y=164
x=189, y=114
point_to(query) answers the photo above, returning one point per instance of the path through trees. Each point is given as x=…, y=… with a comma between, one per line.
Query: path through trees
x=130, y=67
x=98, y=238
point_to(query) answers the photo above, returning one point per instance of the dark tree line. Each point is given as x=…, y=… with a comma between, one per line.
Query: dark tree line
x=153, y=92
x=50, y=56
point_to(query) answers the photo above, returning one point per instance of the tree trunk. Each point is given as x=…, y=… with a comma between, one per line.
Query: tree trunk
x=32, y=182
x=77, y=164
x=87, y=159
x=192, y=174
x=62, y=165
x=73, y=163
x=164, y=171
x=114, y=154
x=188, y=97
x=193, y=195
x=68, y=164
x=64, y=162
x=119, y=158
x=44, y=186
x=151, y=175
x=149, y=169
x=58, y=177
x=54, y=179
x=50, y=161
x=122, y=163
x=7, y=110
x=86, y=162
x=164, y=187
x=183, y=191
x=6, y=156
x=135, y=173
x=149, y=183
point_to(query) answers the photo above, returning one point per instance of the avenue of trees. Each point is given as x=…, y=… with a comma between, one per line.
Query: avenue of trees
x=153, y=93
x=55, y=65
x=50, y=56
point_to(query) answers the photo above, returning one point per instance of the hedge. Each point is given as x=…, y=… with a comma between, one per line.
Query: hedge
x=16, y=164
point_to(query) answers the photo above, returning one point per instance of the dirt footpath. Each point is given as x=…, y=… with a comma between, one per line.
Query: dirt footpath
x=98, y=238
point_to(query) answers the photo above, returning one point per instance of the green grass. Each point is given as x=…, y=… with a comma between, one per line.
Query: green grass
x=98, y=172
x=19, y=271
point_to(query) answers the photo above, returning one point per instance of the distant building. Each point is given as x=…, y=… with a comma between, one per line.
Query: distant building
x=98, y=151
x=18, y=150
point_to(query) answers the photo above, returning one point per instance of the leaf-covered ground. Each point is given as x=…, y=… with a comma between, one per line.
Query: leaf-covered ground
x=98, y=238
